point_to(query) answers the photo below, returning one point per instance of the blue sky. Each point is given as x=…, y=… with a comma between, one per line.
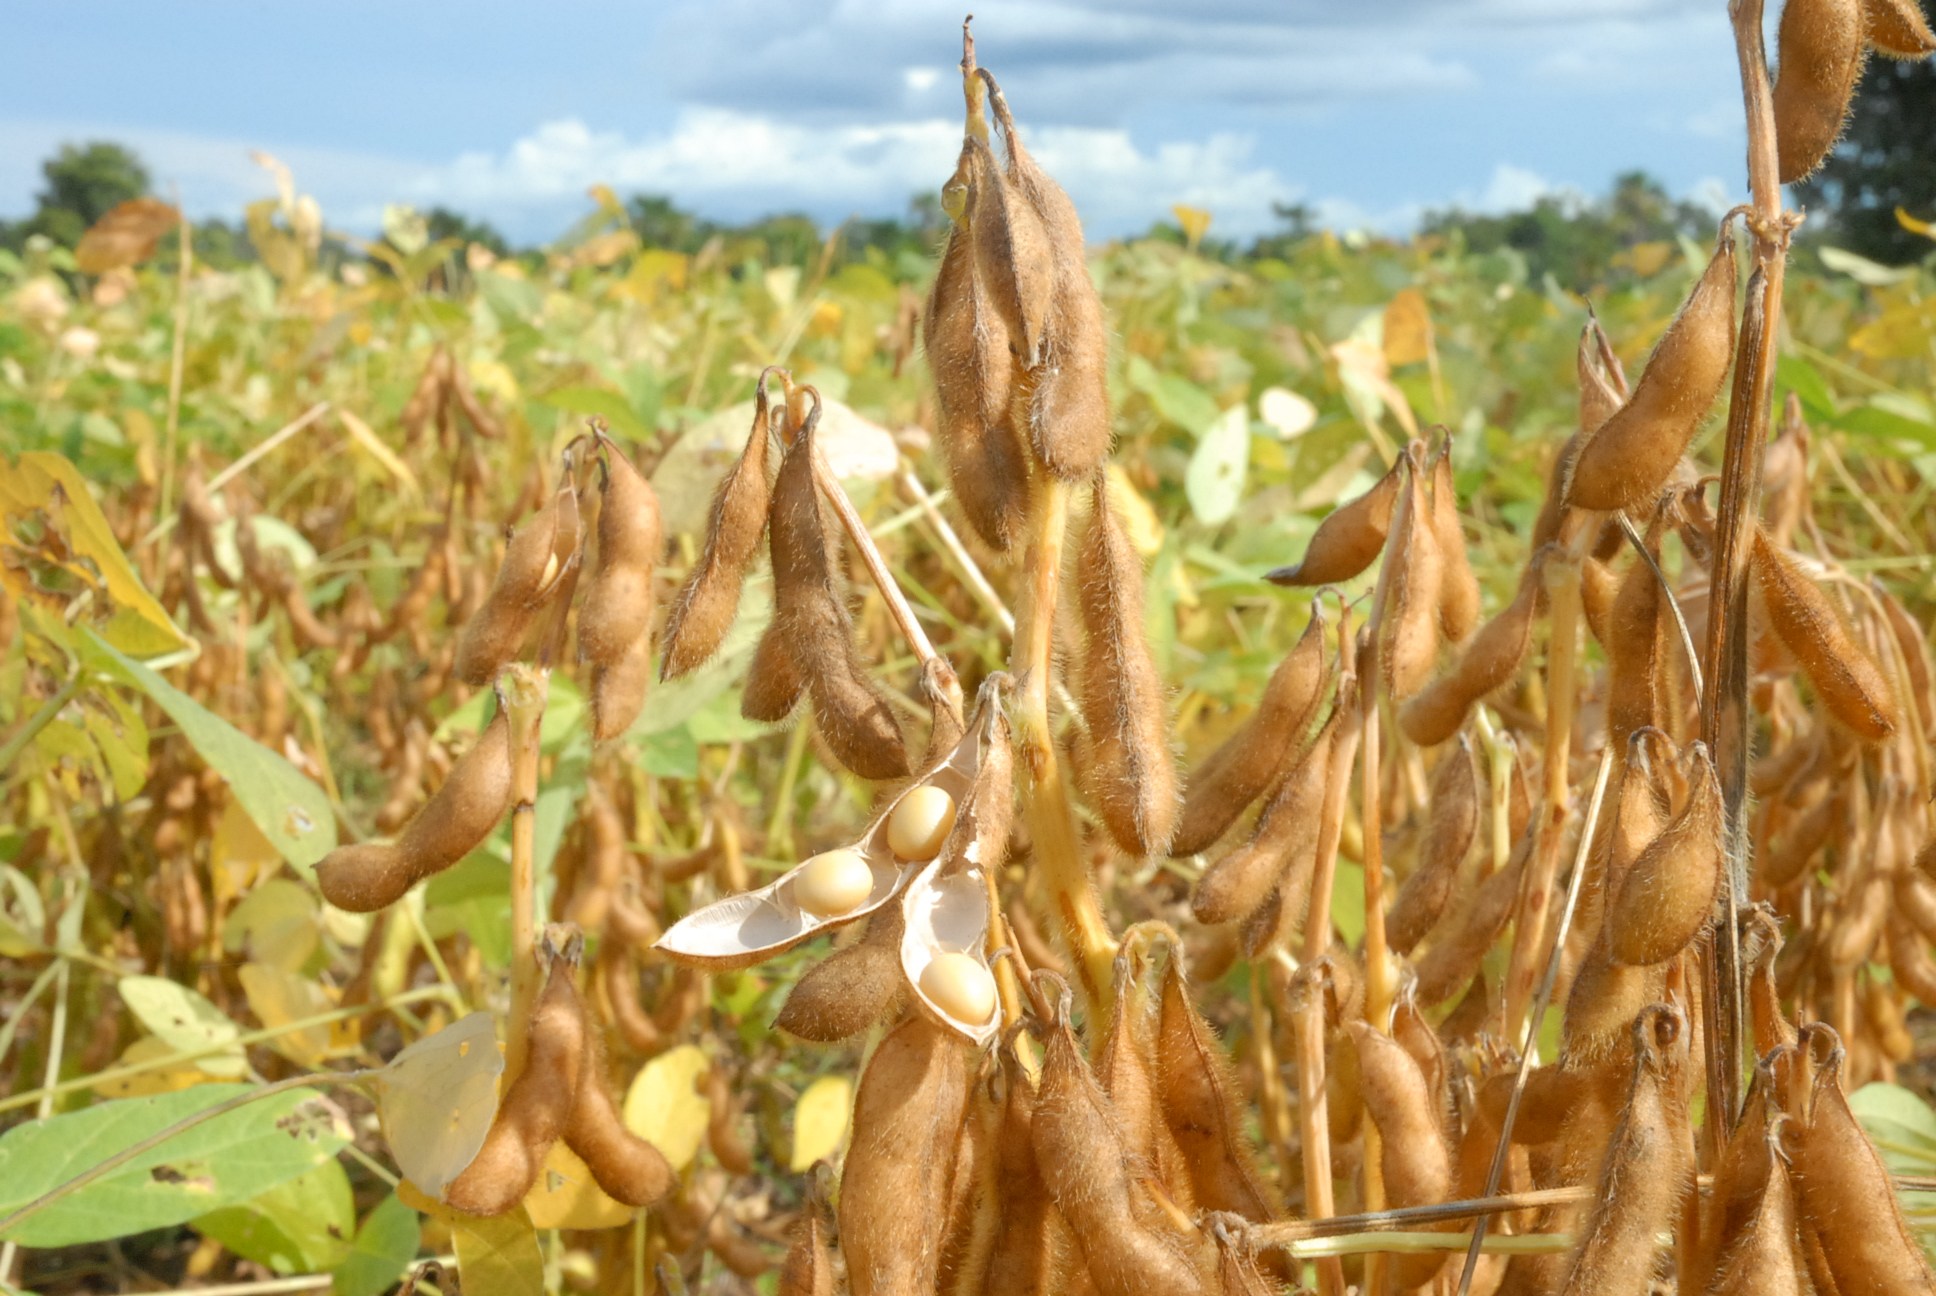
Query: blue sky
x=1371, y=110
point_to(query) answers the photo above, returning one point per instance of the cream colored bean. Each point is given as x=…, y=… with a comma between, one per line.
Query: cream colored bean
x=920, y=823
x=960, y=987
x=834, y=883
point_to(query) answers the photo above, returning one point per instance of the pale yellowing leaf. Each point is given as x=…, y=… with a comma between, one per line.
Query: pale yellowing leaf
x=437, y=1099
x=372, y=445
x=1408, y=329
x=185, y=1020
x=665, y=1106
x=277, y=997
x=166, y=1079
x=820, y=1121
x=276, y=923
x=1194, y=221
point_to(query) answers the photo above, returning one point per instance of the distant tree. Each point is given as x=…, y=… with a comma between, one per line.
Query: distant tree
x=660, y=223
x=83, y=182
x=443, y=223
x=1885, y=161
x=1576, y=242
x=1297, y=221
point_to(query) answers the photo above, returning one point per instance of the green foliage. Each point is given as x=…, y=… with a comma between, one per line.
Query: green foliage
x=1881, y=164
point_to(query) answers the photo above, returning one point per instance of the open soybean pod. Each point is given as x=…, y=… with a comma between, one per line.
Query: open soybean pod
x=838, y=886
x=1626, y=463
x=1129, y=771
x=1898, y=29
x=1263, y=747
x=1414, y=1157
x=536, y=1108
x=461, y=814
x=1821, y=48
x=899, y=1174
x=1452, y=825
x=1648, y=1166
x=1845, y=1192
x=1067, y=390
x=1349, y=538
x=1844, y=676
x=975, y=374
x=707, y=603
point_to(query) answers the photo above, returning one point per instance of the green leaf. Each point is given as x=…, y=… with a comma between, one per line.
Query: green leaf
x=608, y=405
x=184, y=1020
x=1215, y=480
x=225, y=1160
x=384, y=1247
x=292, y=812
x=1864, y=271
x=1901, y=1123
x=1175, y=398
x=301, y=1225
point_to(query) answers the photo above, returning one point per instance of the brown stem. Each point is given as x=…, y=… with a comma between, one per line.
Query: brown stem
x=1312, y=1112
x=522, y=692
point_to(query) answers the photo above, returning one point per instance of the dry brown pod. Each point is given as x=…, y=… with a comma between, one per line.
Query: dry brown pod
x=1126, y=1068
x=1408, y=639
x=618, y=691
x=975, y=375
x=1667, y=896
x=1262, y=748
x=1014, y=263
x=1414, y=1158
x=722, y=1125
x=808, y=1269
x=707, y=603
x=774, y=684
x=853, y=715
x=1200, y=1100
x=1452, y=825
x=1278, y=856
x=1021, y=1252
x=1490, y=659
x=458, y=816
x=1127, y=1247
x=1349, y=538
x=527, y=574
x=1636, y=643
x=1458, y=587
x=1820, y=47
x=1898, y=29
x=536, y=1108
x=1845, y=1192
x=850, y=989
x=1067, y=392
x=1130, y=771
x=1648, y=1166
x=1625, y=463
x=630, y=1169
x=1845, y=678
x=1460, y=942
x=893, y=1205
x=616, y=610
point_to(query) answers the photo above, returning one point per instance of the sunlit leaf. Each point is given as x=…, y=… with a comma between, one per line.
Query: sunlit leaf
x=185, y=1020
x=567, y=1197
x=301, y=1225
x=1215, y=479
x=383, y=1249
x=820, y=1120
x=126, y=235
x=665, y=1106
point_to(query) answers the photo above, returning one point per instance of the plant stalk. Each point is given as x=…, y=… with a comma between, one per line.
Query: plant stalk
x=522, y=693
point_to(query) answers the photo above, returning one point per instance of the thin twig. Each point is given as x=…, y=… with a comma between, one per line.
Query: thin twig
x=1504, y=1149
x=242, y=465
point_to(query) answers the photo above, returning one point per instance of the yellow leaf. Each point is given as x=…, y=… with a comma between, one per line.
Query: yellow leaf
x=820, y=1120
x=1140, y=523
x=140, y=627
x=498, y=1255
x=437, y=1099
x=1408, y=329
x=278, y=997
x=567, y=1197
x=607, y=201
x=127, y=235
x=665, y=1107
x=239, y=855
x=161, y=1080
x=275, y=924
x=371, y=444
x=1649, y=259
x=1914, y=226
x=1195, y=222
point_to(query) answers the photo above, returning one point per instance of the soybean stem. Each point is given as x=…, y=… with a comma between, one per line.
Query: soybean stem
x=524, y=690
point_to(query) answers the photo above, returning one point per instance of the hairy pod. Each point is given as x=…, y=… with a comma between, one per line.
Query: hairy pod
x=722, y=1133
x=774, y=684
x=630, y=1169
x=1452, y=825
x=1821, y=47
x=1021, y=1255
x=461, y=814
x=1279, y=854
x=1199, y=1098
x=854, y=717
x=1910, y=961
x=1013, y=260
x=1131, y=772
x=1762, y=1259
x=1844, y=676
x=618, y=691
x=536, y=1108
x=975, y=375
x=1080, y=1152
x=1846, y=1196
x=1414, y=1158
x=1409, y=631
x=1259, y=752
x=704, y=609
x=495, y=632
x=616, y=611
x=1452, y=958
x=1605, y=998
x=850, y=989
x=1625, y=463
x=1648, y=1167
x=1636, y=645
x=1898, y=29
x=1067, y=391
x=1458, y=587
x=1127, y=1070
x=1666, y=897
x=808, y=1269
x=1349, y=538
x=1490, y=659
x=899, y=1173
